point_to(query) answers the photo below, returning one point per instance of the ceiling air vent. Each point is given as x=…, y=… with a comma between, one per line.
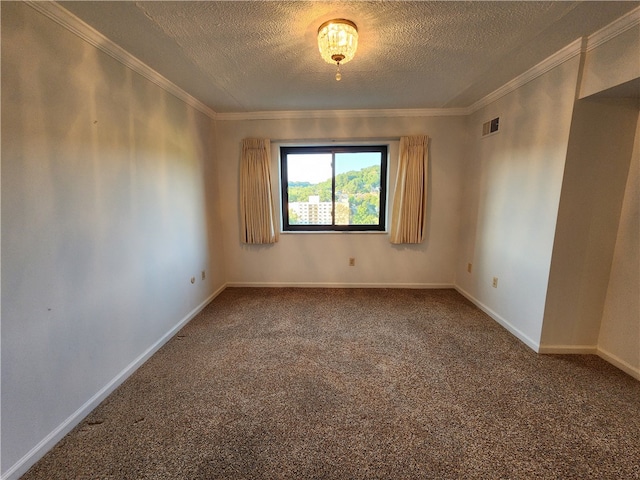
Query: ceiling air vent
x=490, y=127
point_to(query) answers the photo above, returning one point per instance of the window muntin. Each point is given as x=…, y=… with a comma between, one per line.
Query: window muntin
x=334, y=188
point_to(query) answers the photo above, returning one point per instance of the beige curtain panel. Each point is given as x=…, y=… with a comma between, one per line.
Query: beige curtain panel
x=408, y=221
x=256, y=201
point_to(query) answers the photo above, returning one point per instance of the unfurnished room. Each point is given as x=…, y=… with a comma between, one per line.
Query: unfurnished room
x=320, y=239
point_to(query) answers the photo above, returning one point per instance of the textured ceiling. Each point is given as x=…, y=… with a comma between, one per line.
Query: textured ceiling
x=239, y=56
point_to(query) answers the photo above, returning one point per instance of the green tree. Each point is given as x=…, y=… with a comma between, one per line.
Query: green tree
x=294, y=218
x=365, y=209
x=362, y=187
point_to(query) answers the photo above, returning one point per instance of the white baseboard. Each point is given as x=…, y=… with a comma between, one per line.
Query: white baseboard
x=592, y=350
x=532, y=344
x=568, y=349
x=338, y=285
x=48, y=442
x=26, y=462
x=618, y=362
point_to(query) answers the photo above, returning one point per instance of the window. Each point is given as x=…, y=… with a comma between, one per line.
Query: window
x=341, y=188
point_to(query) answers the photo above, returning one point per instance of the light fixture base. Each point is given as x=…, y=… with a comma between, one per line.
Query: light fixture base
x=337, y=42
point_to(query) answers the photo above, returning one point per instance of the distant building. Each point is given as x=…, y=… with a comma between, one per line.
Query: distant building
x=315, y=212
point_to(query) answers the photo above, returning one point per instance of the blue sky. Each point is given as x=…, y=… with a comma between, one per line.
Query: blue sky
x=316, y=168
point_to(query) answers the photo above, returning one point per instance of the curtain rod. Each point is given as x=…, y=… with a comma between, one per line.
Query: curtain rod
x=335, y=140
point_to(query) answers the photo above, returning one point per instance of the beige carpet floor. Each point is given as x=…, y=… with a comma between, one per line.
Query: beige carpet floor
x=355, y=384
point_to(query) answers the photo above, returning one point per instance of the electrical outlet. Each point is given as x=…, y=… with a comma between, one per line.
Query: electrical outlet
x=494, y=284
x=469, y=266
x=352, y=262
x=204, y=275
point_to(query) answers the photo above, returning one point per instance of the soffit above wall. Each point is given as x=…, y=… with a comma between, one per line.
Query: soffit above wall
x=262, y=56
x=630, y=89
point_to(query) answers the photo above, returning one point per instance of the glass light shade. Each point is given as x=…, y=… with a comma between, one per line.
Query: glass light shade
x=338, y=40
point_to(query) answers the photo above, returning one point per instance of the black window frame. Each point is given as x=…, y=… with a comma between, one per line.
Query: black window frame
x=333, y=149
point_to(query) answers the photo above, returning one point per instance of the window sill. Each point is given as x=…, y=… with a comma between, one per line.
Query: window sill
x=331, y=232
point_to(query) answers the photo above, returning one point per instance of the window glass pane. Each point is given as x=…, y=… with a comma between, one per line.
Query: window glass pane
x=333, y=188
x=309, y=189
x=358, y=188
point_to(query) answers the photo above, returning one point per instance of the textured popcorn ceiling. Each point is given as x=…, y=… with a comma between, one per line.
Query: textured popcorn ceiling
x=262, y=55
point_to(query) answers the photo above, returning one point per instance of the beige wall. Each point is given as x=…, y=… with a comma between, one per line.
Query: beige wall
x=619, y=339
x=115, y=194
x=612, y=63
x=512, y=182
x=105, y=218
x=600, y=146
x=322, y=258
x=592, y=303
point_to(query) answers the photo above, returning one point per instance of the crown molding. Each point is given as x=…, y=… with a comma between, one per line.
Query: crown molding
x=299, y=114
x=66, y=19
x=585, y=44
x=572, y=50
x=615, y=28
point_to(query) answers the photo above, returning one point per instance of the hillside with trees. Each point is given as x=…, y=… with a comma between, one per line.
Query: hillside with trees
x=361, y=188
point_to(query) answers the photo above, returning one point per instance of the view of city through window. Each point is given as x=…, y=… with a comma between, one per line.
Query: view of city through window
x=336, y=188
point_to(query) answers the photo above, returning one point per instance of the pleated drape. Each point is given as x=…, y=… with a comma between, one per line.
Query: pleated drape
x=408, y=219
x=257, y=211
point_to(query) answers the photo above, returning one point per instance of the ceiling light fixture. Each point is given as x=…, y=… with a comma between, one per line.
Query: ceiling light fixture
x=338, y=41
